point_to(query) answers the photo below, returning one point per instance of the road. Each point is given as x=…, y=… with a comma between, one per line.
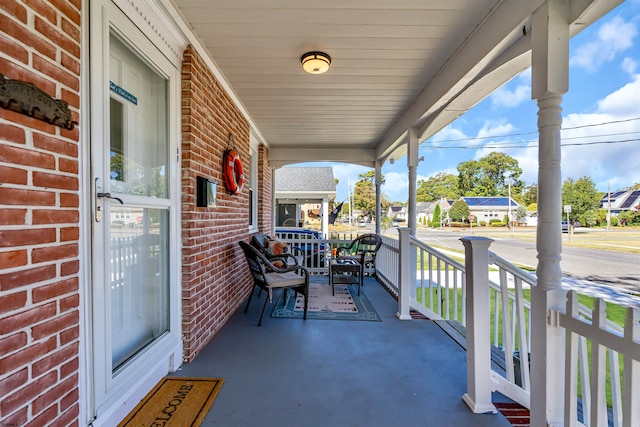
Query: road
x=605, y=267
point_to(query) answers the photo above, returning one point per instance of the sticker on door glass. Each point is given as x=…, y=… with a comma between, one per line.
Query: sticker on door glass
x=123, y=93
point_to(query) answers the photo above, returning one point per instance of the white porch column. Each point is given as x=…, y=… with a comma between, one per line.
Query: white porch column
x=476, y=264
x=550, y=65
x=378, y=184
x=325, y=217
x=412, y=165
x=404, y=273
x=274, y=207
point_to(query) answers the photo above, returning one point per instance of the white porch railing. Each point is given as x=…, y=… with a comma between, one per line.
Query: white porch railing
x=442, y=287
x=440, y=290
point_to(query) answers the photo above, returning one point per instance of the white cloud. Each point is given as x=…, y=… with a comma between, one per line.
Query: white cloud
x=396, y=186
x=449, y=133
x=495, y=128
x=504, y=97
x=346, y=173
x=616, y=161
x=622, y=103
x=613, y=37
x=629, y=65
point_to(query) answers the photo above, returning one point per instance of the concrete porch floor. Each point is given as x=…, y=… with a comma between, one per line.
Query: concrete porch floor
x=291, y=372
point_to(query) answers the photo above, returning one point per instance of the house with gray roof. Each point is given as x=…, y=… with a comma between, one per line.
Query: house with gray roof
x=621, y=201
x=302, y=192
x=488, y=208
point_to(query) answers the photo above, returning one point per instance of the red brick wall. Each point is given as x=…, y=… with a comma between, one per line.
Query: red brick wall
x=39, y=220
x=215, y=277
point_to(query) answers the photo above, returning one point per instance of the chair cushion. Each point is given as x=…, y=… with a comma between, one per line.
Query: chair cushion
x=283, y=280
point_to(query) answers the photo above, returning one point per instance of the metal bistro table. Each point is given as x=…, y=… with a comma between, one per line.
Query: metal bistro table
x=345, y=271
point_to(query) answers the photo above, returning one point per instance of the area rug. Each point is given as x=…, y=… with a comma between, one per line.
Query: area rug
x=345, y=305
x=176, y=402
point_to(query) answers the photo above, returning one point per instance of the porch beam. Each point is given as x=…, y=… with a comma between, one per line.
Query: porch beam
x=281, y=156
x=550, y=69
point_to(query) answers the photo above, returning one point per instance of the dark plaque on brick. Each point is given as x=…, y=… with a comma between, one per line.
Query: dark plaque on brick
x=28, y=99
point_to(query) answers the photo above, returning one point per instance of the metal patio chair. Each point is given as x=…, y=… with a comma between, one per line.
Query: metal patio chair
x=362, y=249
x=267, y=276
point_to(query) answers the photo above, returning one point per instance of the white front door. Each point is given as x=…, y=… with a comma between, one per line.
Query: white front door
x=134, y=280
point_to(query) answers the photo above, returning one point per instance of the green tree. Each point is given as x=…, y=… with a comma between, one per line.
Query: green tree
x=437, y=186
x=581, y=195
x=629, y=218
x=459, y=211
x=490, y=176
x=601, y=217
x=530, y=194
x=591, y=218
x=364, y=195
x=521, y=212
x=436, y=216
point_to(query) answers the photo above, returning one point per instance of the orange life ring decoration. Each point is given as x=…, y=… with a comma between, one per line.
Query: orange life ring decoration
x=232, y=171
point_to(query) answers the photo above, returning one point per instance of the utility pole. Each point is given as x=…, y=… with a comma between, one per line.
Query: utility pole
x=509, y=215
x=609, y=205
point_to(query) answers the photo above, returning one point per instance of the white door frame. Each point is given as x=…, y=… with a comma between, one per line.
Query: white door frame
x=106, y=399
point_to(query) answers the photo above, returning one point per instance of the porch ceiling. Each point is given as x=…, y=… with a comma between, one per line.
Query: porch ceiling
x=395, y=65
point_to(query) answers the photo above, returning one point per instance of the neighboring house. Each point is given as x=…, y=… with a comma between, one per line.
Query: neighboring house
x=621, y=201
x=397, y=213
x=302, y=193
x=488, y=208
x=424, y=212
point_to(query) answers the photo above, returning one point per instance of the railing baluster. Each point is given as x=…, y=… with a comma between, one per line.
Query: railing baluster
x=571, y=367
x=431, y=282
x=507, y=339
x=631, y=392
x=616, y=399
x=598, y=368
x=585, y=379
x=523, y=335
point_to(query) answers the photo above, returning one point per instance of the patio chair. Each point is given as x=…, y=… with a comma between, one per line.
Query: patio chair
x=267, y=276
x=265, y=244
x=362, y=249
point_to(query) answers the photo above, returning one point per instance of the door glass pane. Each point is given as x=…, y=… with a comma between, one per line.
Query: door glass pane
x=139, y=279
x=138, y=276
x=138, y=144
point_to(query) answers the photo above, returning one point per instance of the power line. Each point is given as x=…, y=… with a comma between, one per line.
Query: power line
x=526, y=145
x=536, y=132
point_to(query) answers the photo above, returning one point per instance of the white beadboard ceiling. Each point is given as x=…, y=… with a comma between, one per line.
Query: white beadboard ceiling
x=396, y=64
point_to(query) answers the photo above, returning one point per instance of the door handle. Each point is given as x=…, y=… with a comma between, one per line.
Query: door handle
x=109, y=196
x=98, y=200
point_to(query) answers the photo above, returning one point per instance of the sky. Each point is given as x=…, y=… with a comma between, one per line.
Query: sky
x=601, y=118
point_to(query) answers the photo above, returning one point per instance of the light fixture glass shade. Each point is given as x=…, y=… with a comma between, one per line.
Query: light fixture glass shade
x=315, y=62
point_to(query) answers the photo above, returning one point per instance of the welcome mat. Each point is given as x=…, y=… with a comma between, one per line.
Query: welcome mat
x=176, y=402
x=345, y=305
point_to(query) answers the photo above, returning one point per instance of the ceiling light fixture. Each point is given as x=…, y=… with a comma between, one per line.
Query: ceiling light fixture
x=315, y=62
